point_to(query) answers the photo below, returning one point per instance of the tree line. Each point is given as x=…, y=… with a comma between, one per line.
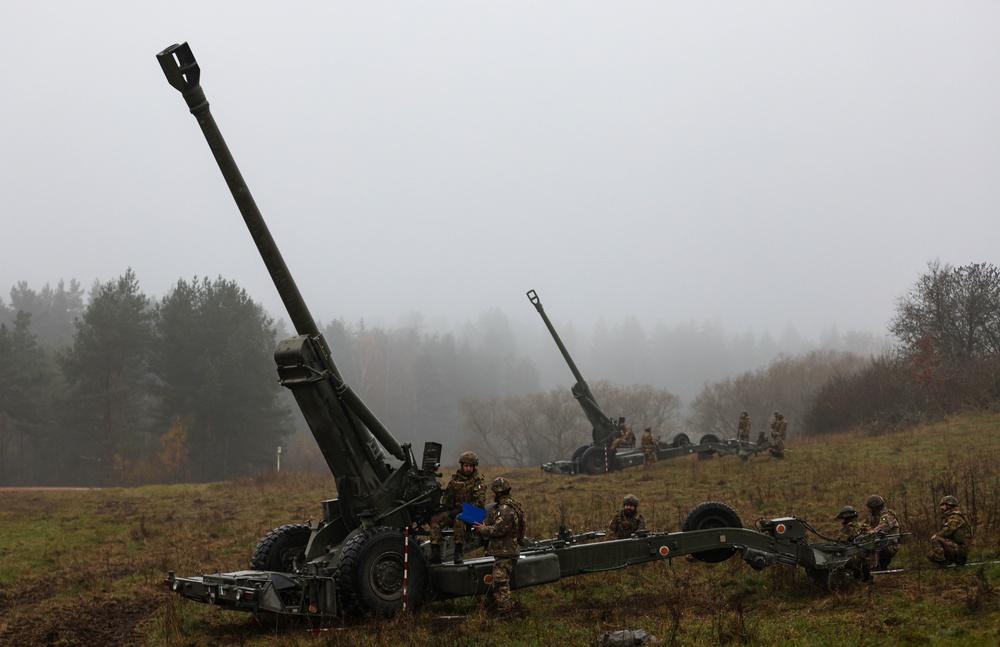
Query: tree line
x=118, y=388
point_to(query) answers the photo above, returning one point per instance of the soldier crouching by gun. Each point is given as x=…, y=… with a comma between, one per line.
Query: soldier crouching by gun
x=466, y=486
x=851, y=528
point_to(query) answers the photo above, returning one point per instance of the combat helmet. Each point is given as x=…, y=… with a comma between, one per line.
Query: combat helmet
x=630, y=499
x=847, y=512
x=875, y=502
x=468, y=458
x=500, y=486
x=949, y=501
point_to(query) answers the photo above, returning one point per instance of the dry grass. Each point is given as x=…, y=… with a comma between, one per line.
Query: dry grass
x=85, y=567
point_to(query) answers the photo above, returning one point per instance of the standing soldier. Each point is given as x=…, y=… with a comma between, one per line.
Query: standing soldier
x=779, y=430
x=743, y=430
x=649, y=445
x=627, y=521
x=466, y=486
x=851, y=527
x=627, y=438
x=951, y=544
x=504, y=530
x=883, y=520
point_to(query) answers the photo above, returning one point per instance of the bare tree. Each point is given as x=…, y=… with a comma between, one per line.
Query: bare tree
x=956, y=308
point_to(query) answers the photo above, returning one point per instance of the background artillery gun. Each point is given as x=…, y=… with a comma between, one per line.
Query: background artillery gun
x=360, y=557
x=599, y=457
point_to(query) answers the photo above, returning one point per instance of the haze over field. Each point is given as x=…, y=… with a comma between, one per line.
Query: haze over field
x=760, y=165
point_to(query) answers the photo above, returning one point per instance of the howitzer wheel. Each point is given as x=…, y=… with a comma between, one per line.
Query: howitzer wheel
x=707, y=438
x=681, y=440
x=281, y=548
x=580, y=451
x=370, y=575
x=597, y=460
x=708, y=515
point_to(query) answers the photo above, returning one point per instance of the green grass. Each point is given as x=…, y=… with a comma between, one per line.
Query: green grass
x=85, y=567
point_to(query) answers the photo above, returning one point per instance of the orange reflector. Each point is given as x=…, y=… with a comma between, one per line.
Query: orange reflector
x=664, y=550
x=313, y=608
x=489, y=578
x=781, y=529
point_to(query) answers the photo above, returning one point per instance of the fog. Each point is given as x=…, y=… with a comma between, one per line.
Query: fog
x=762, y=167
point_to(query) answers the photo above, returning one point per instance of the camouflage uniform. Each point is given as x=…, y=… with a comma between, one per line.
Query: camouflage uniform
x=622, y=526
x=779, y=430
x=743, y=430
x=461, y=489
x=860, y=565
x=884, y=520
x=627, y=438
x=504, y=528
x=951, y=544
x=649, y=445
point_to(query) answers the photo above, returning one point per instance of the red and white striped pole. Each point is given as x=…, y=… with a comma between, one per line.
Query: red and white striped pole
x=406, y=562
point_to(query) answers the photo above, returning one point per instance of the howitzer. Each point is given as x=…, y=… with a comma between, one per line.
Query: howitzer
x=599, y=457
x=352, y=559
x=353, y=554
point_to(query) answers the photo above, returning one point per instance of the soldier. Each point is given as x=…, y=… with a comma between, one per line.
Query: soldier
x=743, y=429
x=649, y=445
x=504, y=530
x=851, y=527
x=779, y=430
x=951, y=544
x=466, y=486
x=627, y=439
x=883, y=520
x=627, y=521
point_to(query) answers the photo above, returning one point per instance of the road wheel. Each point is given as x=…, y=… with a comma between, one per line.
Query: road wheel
x=281, y=548
x=594, y=460
x=580, y=451
x=708, y=515
x=681, y=440
x=707, y=438
x=370, y=575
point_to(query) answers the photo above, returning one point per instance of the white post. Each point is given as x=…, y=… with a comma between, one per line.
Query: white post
x=279, y=460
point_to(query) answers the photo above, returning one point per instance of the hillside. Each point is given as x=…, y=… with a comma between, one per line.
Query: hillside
x=85, y=567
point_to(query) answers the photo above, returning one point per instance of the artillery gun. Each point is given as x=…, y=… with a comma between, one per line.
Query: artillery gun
x=360, y=556
x=599, y=457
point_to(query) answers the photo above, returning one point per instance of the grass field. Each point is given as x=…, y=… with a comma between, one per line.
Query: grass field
x=86, y=567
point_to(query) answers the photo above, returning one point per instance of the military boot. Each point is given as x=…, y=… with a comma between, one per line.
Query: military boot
x=459, y=557
x=435, y=554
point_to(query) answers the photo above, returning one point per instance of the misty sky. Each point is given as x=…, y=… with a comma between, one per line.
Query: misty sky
x=758, y=164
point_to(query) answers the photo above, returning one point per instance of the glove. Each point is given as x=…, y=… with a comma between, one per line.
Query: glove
x=454, y=513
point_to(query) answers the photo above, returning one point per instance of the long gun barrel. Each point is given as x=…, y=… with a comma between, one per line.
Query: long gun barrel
x=183, y=73
x=604, y=427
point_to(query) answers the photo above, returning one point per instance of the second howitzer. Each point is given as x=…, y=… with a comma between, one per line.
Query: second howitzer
x=601, y=456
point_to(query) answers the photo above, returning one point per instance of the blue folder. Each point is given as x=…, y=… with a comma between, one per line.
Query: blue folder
x=472, y=514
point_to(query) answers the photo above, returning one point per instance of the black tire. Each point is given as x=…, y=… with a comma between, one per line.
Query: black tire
x=708, y=515
x=281, y=548
x=707, y=438
x=580, y=451
x=593, y=460
x=681, y=440
x=370, y=575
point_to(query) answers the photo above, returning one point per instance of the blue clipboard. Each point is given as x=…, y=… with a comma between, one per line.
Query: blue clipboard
x=472, y=514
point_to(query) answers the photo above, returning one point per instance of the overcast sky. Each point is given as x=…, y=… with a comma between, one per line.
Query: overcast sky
x=758, y=164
